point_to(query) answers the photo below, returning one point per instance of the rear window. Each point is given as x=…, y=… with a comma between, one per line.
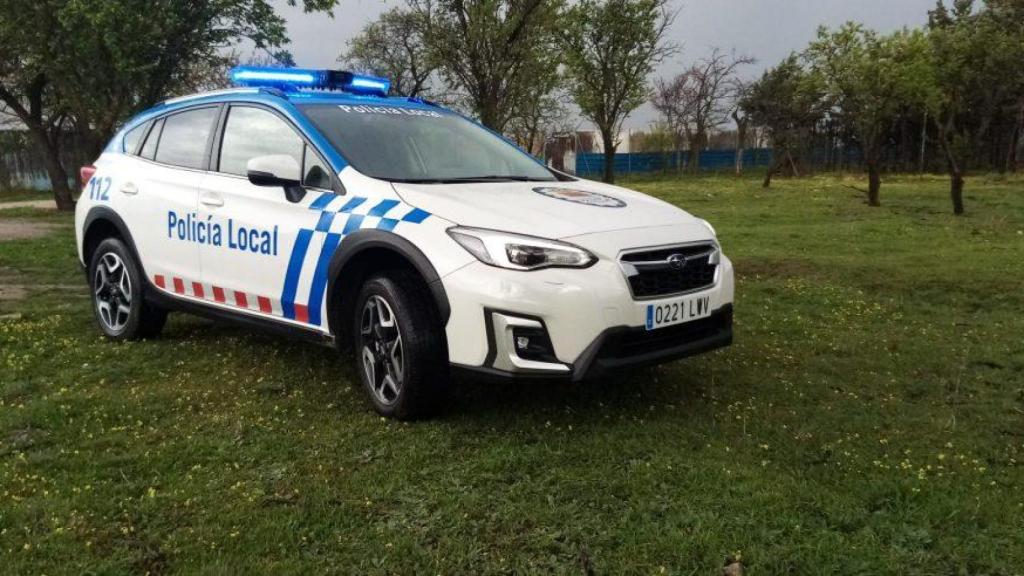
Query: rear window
x=132, y=138
x=184, y=138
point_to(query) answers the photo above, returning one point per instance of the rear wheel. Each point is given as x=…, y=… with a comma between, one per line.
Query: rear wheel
x=400, y=347
x=117, y=284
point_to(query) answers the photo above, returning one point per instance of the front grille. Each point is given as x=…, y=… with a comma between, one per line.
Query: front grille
x=650, y=274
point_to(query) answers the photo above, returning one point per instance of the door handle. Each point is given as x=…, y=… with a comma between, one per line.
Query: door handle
x=129, y=188
x=211, y=199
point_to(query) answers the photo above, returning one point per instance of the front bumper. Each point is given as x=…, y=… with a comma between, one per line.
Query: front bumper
x=593, y=323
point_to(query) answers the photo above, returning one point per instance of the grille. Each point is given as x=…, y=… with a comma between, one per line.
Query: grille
x=655, y=277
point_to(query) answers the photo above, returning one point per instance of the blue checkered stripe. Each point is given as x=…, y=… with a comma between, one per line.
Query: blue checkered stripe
x=305, y=283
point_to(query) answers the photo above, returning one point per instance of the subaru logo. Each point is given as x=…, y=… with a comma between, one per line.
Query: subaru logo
x=676, y=261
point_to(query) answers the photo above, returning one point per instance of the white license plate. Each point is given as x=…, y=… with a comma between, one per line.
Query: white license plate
x=678, y=311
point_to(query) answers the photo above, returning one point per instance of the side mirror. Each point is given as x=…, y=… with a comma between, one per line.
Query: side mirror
x=276, y=170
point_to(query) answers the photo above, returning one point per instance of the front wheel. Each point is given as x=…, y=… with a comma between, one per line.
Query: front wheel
x=118, y=304
x=400, y=346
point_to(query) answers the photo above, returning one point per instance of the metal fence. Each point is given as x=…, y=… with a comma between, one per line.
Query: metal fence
x=646, y=162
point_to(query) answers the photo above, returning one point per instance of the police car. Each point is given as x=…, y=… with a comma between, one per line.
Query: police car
x=311, y=203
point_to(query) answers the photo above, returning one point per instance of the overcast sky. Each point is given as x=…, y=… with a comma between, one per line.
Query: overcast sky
x=765, y=29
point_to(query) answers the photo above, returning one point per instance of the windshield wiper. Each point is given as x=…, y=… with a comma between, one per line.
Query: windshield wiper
x=498, y=178
x=468, y=179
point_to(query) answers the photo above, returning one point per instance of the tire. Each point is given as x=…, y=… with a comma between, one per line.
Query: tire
x=117, y=289
x=419, y=373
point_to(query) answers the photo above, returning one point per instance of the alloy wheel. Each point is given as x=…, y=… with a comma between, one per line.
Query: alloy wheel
x=382, y=352
x=112, y=291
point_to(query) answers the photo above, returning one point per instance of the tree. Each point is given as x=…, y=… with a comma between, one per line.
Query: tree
x=700, y=98
x=742, y=120
x=787, y=102
x=490, y=50
x=83, y=67
x=610, y=47
x=393, y=47
x=979, y=70
x=870, y=82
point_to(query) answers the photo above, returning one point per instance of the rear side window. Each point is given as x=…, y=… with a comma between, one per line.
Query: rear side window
x=252, y=132
x=149, y=148
x=132, y=138
x=184, y=137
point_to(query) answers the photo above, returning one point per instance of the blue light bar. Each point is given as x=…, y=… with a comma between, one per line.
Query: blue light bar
x=295, y=78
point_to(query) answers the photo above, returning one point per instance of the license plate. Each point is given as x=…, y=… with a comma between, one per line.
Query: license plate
x=678, y=311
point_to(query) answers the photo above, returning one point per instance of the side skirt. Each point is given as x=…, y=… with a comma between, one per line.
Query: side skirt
x=155, y=296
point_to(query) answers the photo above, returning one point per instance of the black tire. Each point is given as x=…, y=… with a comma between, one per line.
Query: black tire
x=142, y=320
x=423, y=372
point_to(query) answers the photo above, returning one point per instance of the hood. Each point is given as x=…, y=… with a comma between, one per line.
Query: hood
x=547, y=209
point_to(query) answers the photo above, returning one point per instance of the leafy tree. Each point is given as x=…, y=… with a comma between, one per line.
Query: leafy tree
x=979, y=70
x=610, y=47
x=83, y=66
x=787, y=102
x=870, y=81
x=490, y=50
x=394, y=47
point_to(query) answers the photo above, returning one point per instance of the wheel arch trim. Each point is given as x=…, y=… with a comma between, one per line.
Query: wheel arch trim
x=359, y=242
x=98, y=213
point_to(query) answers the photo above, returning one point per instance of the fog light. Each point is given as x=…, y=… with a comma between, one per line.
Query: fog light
x=533, y=344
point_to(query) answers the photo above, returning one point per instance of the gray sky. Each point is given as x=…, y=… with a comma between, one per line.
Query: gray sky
x=765, y=29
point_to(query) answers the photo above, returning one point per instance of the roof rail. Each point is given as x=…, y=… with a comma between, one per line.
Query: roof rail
x=210, y=93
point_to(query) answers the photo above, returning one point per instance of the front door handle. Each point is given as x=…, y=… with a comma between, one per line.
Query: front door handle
x=129, y=188
x=211, y=199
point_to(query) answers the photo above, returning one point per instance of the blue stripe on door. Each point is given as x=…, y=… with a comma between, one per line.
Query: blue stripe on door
x=291, y=279
x=382, y=208
x=316, y=292
x=321, y=202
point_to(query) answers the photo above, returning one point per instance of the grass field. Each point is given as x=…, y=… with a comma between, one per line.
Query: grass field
x=868, y=420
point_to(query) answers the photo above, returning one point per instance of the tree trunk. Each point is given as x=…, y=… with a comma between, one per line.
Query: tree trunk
x=956, y=191
x=608, y=140
x=774, y=167
x=49, y=145
x=741, y=137
x=874, y=183
x=695, y=147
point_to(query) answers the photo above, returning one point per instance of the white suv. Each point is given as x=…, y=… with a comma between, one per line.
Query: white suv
x=309, y=202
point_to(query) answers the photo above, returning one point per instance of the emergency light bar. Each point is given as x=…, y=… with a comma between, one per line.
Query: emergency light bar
x=295, y=78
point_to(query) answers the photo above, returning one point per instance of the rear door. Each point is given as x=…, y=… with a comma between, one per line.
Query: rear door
x=261, y=263
x=164, y=186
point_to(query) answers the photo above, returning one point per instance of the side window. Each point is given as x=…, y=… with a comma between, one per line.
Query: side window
x=132, y=138
x=315, y=173
x=183, y=141
x=252, y=132
x=149, y=148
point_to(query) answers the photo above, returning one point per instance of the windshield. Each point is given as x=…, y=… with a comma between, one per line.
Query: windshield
x=404, y=144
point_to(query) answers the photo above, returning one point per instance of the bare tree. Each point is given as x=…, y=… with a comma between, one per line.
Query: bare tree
x=393, y=47
x=700, y=99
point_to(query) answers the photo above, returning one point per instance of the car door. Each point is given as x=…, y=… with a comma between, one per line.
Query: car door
x=261, y=261
x=163, y=187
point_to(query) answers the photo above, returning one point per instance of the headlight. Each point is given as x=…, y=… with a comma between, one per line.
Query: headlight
x=519, y=252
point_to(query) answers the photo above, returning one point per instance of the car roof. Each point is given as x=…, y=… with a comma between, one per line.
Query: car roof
x=278, y=97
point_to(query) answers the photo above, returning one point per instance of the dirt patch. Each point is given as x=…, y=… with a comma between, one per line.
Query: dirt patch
x=11, y=291
x=42, y=204
x=24, y=229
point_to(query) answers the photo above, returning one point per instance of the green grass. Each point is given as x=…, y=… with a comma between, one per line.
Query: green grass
x=18, y=195
x=868, y=420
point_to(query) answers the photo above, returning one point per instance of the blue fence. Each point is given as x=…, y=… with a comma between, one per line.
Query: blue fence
x=711, y=160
